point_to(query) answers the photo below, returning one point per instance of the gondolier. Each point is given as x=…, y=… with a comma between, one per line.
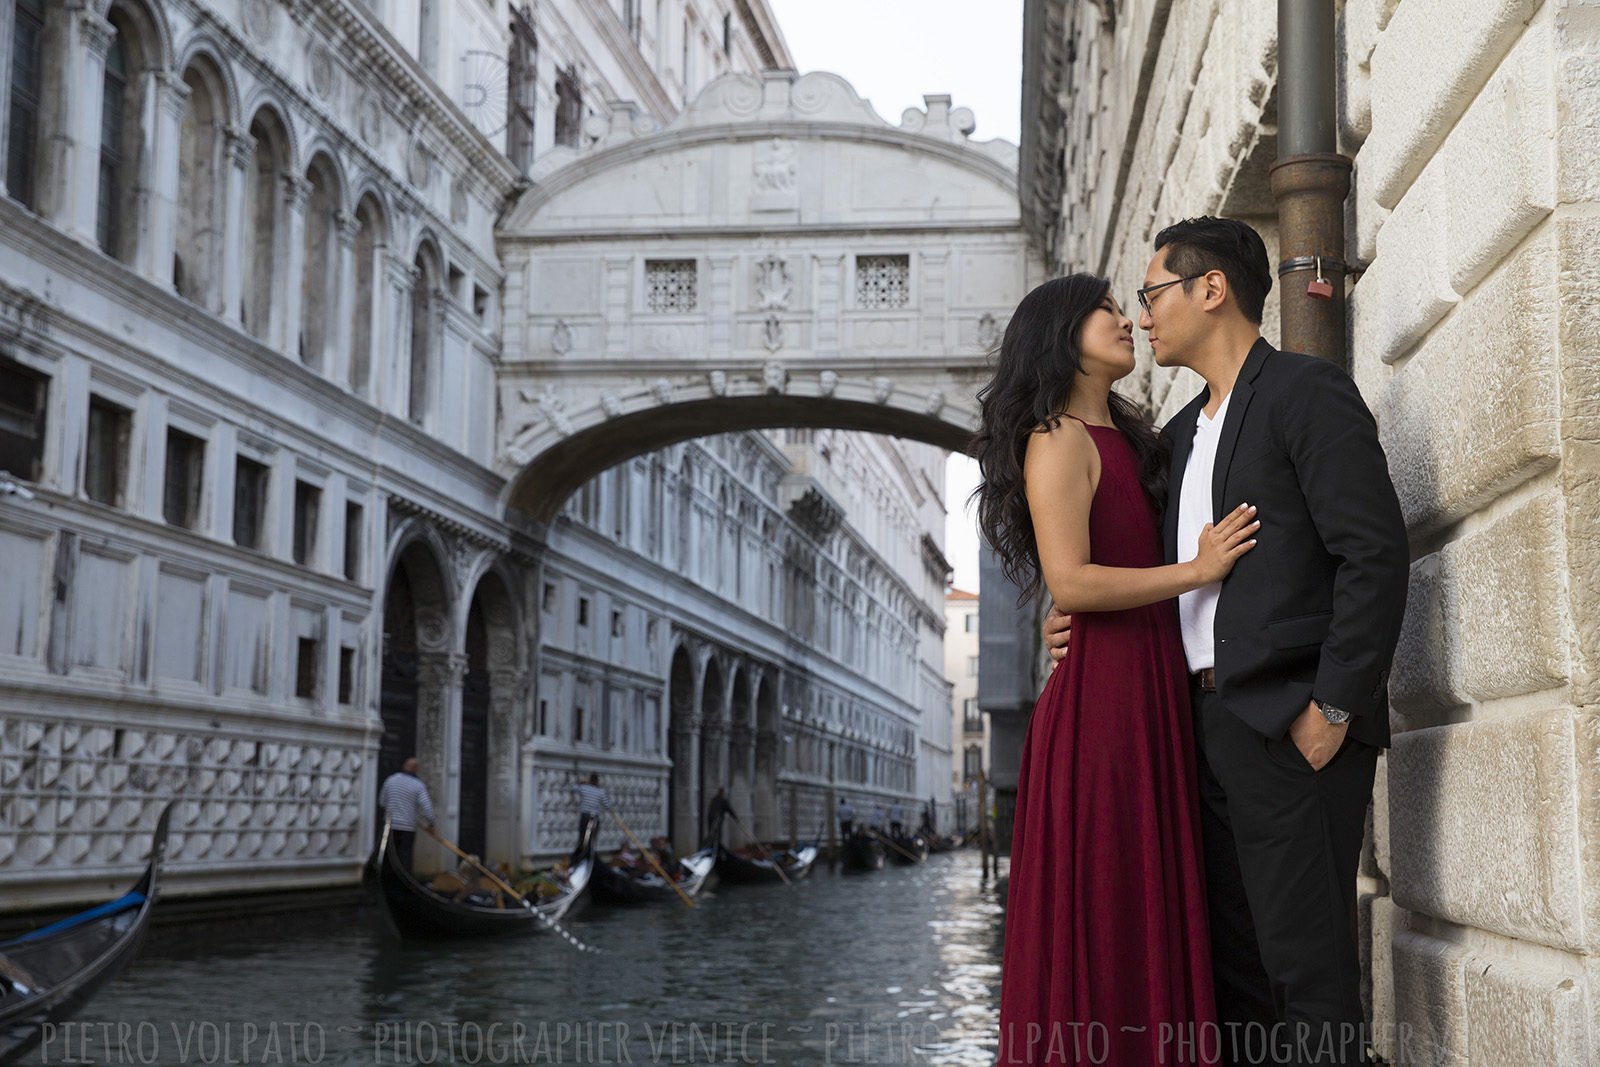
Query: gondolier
x=897, y=819
x=405, y=801
x=846, y=816
x=592, y=800
x=718, y=810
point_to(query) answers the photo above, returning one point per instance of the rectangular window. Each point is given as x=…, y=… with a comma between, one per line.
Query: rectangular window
x=577, y=723
x=670, y=285
x=972, y=666
x=27, y=63
x=354, y=523
x=583, y=611
x=522, y=95
x=544, y=718
x=547, y=601
x=972, y=623
x=180, y=499
x=22, y=399
x=347, y=675
x=105, y=467
x=727, y=34
x=616, y=624
x=307, y=503
x=480, y=304
x=883, y=281
x=113, y=90
x=249, y=502
x=305, y=668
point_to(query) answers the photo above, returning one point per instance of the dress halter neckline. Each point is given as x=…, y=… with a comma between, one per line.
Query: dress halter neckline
x=1090, y=425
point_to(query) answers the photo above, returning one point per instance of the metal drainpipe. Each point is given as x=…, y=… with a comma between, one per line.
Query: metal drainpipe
x=1310, y=181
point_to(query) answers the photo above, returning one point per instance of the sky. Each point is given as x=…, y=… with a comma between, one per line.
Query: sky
x=894, y=52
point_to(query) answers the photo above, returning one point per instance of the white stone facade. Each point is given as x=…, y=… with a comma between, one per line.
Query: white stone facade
x=253, y=310
x=968, y=723
x=1473, y=331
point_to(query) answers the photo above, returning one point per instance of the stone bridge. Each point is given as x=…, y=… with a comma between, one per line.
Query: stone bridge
x=778, y=255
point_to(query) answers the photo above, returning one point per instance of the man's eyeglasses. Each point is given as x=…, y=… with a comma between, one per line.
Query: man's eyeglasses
x=1144, y=294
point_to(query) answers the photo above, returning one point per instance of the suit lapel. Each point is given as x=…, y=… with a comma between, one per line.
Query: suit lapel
x=1181, y=431
x=1238, y=403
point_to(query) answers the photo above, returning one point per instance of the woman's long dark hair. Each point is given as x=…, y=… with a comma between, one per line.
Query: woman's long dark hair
x=1038, y=363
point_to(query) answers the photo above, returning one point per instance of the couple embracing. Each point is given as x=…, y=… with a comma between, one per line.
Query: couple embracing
x=1227, y=598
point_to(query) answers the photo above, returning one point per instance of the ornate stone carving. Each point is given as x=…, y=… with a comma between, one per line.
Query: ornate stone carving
x=935, y=402
x=775, y=166
x=611, y=404
x=420, y=162
x=260, y=19
x=321, y=74
x=774, y=377
x=774, y=286
x=816, y=514
x=881, y=388
x=719, y=382
x=772, y=334
x=432, y=630
x=988, y=332
x=827, y=382
x=462, y=558
x=662, y=388
x=458, y=201
x=552, y=406
x=369, y=120
x=561, y=338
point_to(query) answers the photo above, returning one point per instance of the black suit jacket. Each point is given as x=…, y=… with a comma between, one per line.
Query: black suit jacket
x=1315, y=608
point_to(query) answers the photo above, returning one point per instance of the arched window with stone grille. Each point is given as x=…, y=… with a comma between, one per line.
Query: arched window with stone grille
x=263, y=210
x=367, y=311
x=424, y=339
x=27, y=78
x=318, y=281
x=197, y=250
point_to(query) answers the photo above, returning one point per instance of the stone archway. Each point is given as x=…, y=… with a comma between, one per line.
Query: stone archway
x=683, y=817
x=492, y=693
x=764, y=805
x=713, y=741
x=417, y=686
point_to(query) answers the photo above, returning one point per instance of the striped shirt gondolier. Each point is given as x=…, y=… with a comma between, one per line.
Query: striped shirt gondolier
x=404, y=797
x=592, y=799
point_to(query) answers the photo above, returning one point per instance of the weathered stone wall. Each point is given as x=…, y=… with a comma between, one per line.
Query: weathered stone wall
x=1474, y=336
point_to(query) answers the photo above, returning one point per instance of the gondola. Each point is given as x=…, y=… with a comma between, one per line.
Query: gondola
x=907, y=851
x=947, y=842
x=50, y=973
x=796, y=864
x=419, y=913
x=613, y=885
x=862, y=852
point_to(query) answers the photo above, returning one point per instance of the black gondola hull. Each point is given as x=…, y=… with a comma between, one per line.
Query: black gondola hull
x=77, y=960
x=732, y=867
x=862, y=853
x=609, y=885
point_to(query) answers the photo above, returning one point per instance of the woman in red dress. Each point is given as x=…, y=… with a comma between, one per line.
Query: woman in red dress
x=1107, y=956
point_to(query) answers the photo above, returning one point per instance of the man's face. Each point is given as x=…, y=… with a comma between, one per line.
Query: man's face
x=1173, y=317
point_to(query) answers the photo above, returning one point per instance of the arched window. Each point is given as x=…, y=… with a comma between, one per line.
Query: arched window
x=424, y=343
x=197, y=251
x=261, y=208
x=27, y=70
x=366, y=312
x=318, y=297
x=113, y=98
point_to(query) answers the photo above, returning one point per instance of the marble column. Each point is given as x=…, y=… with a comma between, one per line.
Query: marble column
x=157, y=227
x=393, y=373
x=439, y=681
x=296, y=195
x=73, y=154
x=509, y=695
x=241, y=155
x=341, y=299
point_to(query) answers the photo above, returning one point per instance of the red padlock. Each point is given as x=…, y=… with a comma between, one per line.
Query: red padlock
x=1320, y=289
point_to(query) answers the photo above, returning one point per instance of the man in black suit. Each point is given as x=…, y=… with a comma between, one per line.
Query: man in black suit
x=1289, y=654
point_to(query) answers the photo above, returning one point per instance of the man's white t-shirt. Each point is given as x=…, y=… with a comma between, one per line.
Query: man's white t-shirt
x=1197, y=610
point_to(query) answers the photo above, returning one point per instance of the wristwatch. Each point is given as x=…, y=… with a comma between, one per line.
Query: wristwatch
x=1335, y=716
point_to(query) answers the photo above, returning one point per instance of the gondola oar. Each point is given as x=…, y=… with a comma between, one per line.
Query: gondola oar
x=652, y=860
x=891, y=844
x=770, y=858
x=518, y=897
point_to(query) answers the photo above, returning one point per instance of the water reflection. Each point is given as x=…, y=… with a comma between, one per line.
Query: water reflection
x=902, y=966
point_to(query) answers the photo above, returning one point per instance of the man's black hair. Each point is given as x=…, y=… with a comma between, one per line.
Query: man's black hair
x=1196, y=246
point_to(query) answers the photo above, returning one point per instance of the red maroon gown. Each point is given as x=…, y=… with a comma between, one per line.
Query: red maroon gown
x=1107, y=954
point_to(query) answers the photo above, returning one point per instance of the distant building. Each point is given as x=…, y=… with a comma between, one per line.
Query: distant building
x=968, y=723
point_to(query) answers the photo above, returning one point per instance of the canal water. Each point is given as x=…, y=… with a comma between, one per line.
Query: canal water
x=900, y=966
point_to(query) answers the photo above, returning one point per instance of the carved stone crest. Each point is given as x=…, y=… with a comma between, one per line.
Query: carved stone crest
x=773, y=284
x=881, y=388
x=611, y=404
x=552, y=406
x=662, y=388
x=260, y=19
x=774, y=377
x=419, y=164
x=827, y=382
x=369, y=121
x=322, y=75
x=719, y=383
x=772, y=333
x=988, y=331
x=935, y=402
x=775, y=166
x=561, y=338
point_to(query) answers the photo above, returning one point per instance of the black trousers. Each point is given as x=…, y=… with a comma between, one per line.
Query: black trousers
x=584, y=820
x=1282, y=843
x=403, y=842
x=844, y=827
